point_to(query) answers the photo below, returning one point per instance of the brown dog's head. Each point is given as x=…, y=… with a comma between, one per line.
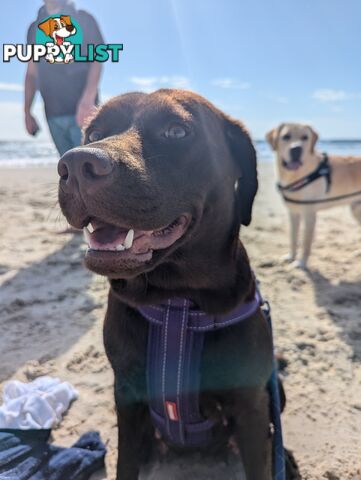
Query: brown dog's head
x=161, y=178
x=58, y=28
x=293, y=143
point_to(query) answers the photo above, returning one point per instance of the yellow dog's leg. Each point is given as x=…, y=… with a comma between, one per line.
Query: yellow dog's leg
x=356, y=210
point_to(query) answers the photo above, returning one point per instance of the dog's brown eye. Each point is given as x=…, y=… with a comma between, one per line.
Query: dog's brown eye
x=286, y=137
x=304, y=138
x=94, y=136
x=56, y=27
x=175, y=131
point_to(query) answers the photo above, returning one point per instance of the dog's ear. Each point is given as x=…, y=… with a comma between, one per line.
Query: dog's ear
x=273, y=135
x=245, y=161
x=66, y=19
x=46, y=26
x=314, y=138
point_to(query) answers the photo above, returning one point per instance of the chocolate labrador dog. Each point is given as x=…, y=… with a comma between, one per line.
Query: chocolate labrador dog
x=161, y=185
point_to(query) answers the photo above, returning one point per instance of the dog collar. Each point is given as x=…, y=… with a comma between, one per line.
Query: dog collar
x=175, y=343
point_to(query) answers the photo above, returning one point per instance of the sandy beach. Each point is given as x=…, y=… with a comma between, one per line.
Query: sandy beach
x=52, y=311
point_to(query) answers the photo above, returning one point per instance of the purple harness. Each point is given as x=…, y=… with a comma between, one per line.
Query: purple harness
x=175, y=344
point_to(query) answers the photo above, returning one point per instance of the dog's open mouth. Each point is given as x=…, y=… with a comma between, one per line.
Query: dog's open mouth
x=292, y=165
x=131, y=244
x=59, y=40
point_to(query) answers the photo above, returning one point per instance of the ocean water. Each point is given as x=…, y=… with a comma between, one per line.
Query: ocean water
x=30, y=153
x=27, y=153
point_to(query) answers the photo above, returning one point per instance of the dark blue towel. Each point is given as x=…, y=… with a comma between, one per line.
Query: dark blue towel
x=27, y=455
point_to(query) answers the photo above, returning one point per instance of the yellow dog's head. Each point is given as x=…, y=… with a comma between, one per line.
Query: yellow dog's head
x=293, y=142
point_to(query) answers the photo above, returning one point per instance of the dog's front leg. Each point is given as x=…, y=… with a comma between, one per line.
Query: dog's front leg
x=294, y=231
x=253, y=432
x=134, y=433
x=310, y=222
x=51, y=52
x=50, y=58
x=356, y=210
x=67, y=48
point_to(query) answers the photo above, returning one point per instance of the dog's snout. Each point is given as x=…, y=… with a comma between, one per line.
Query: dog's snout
x=84, y=166
x=69, y=28
x=295, y=153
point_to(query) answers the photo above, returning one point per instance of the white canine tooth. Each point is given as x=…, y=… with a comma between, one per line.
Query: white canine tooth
x=86, y=235
x=90, y=228
x=120, y=247
x=128, y=242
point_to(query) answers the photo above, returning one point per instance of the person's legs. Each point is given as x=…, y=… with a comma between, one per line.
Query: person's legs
x=66, y=135
x=59, y=129
x=75, y=134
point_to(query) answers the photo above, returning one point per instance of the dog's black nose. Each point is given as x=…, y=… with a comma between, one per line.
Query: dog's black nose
x=70, y=28
x=295, y=153
x=84, y=166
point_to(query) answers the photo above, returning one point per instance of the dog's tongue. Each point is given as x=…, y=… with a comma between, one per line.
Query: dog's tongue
x=294, y=165
x=59, y=40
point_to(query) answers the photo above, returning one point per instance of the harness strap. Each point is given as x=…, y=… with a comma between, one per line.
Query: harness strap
x=321, y=200
x=279, y=466
x=199, y=321
x=174, y=354
x=322, y=170
x=173, y=375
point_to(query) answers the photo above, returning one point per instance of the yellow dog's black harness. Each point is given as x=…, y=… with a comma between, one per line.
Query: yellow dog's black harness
x=323, y=169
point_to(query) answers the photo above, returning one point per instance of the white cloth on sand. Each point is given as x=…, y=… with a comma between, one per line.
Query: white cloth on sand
x=38, y=404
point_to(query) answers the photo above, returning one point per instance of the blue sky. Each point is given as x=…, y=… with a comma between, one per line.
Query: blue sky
x=263, y=61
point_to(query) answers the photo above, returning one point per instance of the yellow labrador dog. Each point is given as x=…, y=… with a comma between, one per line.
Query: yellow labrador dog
x=310, y=181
